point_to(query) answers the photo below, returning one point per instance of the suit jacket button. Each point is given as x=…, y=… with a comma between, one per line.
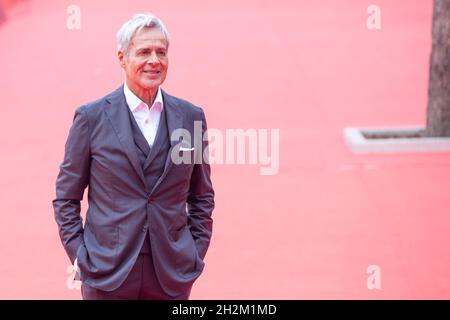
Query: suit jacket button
x=144, y=229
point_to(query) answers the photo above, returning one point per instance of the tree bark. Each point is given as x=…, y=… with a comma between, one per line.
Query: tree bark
x=438, y=111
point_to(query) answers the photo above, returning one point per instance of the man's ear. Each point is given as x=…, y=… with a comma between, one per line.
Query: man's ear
x=122, y=58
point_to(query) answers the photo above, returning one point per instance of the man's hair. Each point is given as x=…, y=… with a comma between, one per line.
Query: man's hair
x=134, y=25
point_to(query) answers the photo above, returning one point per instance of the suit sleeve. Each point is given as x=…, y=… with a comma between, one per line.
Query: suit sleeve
x=71, y=182
x=200, y=201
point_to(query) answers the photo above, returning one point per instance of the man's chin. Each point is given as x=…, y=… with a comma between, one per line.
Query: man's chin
x=150, y=85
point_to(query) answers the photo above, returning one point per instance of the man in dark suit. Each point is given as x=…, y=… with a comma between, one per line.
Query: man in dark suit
x=148, y=225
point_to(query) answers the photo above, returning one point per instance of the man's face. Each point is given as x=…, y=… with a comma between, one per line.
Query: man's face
x=147, y=61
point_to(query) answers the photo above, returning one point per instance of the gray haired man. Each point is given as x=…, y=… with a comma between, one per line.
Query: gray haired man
x=148, y=224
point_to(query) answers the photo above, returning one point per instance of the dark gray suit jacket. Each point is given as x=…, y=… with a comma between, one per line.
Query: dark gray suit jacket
x=123, y=208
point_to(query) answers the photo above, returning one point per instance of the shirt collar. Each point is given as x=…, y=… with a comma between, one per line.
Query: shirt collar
x=133, y=101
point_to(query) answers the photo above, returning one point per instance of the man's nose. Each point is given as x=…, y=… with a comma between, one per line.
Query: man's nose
x=153, y=58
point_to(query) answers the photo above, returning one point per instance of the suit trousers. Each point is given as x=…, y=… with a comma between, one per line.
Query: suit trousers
x=140, y=284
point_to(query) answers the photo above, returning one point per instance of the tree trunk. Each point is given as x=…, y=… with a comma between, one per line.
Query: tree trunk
x=438, y=112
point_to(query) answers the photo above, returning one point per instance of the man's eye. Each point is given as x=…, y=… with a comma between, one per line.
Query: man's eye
x=162, y=53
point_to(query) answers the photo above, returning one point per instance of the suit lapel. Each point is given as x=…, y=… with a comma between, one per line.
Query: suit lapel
x=117, y=113
x=174, y=121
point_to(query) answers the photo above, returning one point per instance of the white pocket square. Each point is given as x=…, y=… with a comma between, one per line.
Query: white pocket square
x=186, y=149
